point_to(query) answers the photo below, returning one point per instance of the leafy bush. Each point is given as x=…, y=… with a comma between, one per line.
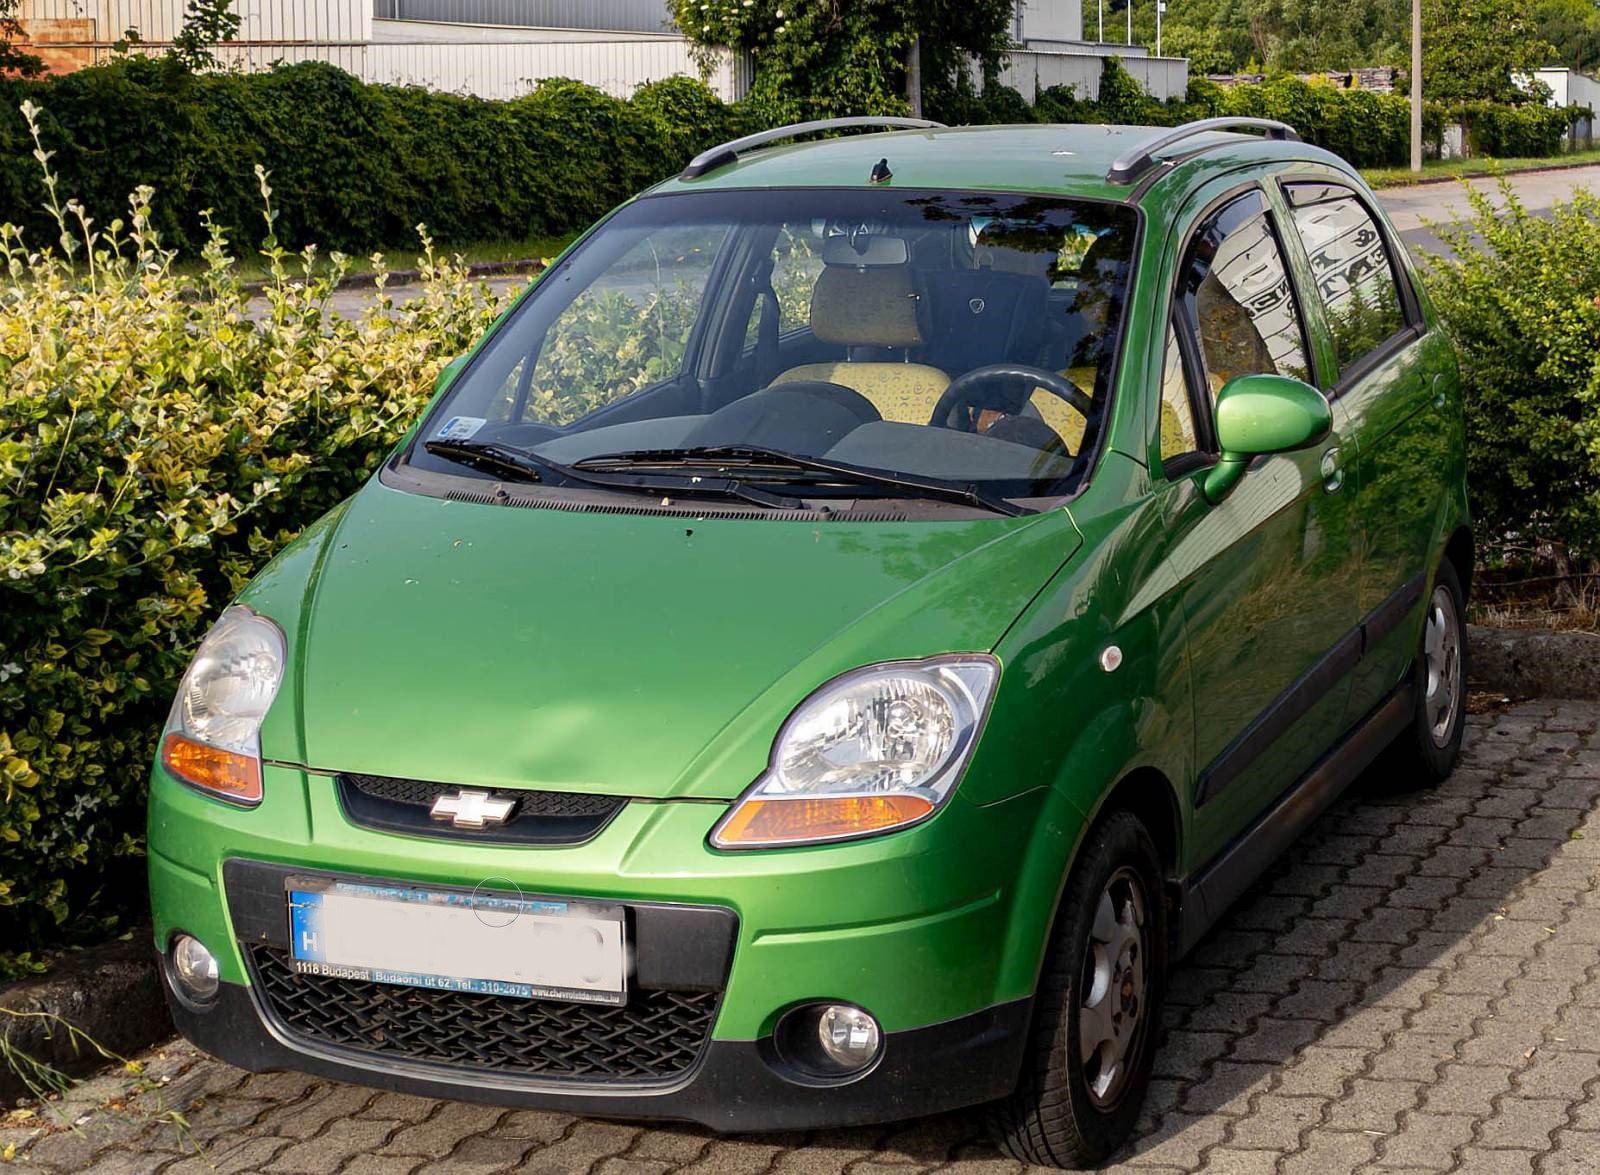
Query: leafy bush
x=1528, y=130
x=361, y=163
x=1523, y=304
x=160, y=438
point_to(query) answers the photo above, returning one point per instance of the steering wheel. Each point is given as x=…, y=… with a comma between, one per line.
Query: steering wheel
x=962, y=389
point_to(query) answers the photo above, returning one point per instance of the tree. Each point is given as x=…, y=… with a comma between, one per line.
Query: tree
x=820, y=58
x=206, y=23
x=1472, y=49
x=12, y=59
x=1573, y=28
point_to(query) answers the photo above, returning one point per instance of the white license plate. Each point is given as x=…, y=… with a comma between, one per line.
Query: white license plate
x=488, y=943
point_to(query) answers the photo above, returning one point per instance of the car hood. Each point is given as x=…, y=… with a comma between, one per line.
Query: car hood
x=651, y=656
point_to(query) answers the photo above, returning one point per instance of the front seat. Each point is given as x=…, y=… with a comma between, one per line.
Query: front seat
x=870, y=310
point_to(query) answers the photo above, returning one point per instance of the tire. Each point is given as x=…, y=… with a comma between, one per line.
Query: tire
x=1425, y=753
x=1075, y=1114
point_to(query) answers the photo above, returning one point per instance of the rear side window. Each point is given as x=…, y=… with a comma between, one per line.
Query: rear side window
x=1354, y=271
x=1236, y=295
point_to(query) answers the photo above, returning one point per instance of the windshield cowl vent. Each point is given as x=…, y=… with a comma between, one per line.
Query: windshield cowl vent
x=685, y=510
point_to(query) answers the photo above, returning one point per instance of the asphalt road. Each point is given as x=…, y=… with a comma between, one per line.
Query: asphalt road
x=1412, y=208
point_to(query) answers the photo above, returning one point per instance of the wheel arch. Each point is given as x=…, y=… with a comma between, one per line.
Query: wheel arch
x=1461, y=553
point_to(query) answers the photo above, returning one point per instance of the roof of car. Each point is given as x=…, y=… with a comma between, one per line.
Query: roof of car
x=1068, y=158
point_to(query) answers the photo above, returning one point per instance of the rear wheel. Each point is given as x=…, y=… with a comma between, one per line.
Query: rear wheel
x=1426, y=752
x=1088, y=1064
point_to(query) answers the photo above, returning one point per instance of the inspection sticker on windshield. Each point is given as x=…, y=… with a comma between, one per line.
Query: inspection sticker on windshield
x=459, y=428
x=488, y=943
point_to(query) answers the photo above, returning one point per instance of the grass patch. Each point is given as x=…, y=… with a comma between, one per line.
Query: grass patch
x=1451, y=169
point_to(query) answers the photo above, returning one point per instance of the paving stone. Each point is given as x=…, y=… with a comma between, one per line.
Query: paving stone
x=1465, y=1089
x=1476, y=1161
x=1373, y=1105
x=341, y=1140
x=1321, y=1071
x=1276, y=1123
x=1327, y=1152
x=1557, y=1074
x=1427, y=1140
x=1274, y=1040
x=1523, y=1122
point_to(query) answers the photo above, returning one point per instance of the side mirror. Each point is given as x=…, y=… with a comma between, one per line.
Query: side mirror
x=1259, y=414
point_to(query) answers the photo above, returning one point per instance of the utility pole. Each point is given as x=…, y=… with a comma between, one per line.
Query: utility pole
x=1416, y=85
x=1100, y=12
x=1130, y=24
x=1161, y=8
x=914, y=77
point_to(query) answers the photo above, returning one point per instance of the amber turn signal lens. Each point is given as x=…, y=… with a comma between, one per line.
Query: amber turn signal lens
x=761, y=822
x=228, y=774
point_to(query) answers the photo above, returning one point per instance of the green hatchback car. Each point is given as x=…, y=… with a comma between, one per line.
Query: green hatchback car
x=857, y=620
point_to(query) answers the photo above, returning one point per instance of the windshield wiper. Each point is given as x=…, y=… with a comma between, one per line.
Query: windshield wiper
x=493, y=458
x=522, y=465
x=764, y=462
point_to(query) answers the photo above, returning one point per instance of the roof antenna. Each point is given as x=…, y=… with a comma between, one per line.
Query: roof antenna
x=880, y=173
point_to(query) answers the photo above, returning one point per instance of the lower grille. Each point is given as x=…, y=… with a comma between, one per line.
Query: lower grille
x=656, y=1036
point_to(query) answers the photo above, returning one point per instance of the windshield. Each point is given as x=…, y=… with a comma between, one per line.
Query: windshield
x=945, y=337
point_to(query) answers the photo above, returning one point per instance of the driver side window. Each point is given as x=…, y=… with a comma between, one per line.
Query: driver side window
x=1235, y=294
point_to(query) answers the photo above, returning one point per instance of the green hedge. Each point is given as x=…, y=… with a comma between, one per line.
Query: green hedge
x=356, y=165
x=1366, y=128
x=1521, y=297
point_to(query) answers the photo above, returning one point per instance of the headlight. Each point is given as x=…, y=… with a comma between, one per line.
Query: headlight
x=212, y=739
x=877, y=749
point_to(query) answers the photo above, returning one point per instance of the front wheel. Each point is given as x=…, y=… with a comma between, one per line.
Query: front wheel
x=1426, y=752
x=1099, y=1004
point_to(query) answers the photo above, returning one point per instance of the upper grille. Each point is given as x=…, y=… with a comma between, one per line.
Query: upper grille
x=656, y=1036
x=529, y=803
x=538, y=817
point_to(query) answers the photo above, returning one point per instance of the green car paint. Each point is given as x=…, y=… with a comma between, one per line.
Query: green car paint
x=1183, y=641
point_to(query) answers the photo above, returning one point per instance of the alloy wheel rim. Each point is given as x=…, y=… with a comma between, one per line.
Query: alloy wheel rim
x=1441, y=656
x=1111, y=1014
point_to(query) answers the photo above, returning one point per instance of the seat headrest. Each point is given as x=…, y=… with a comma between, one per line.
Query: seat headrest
x=875, y=306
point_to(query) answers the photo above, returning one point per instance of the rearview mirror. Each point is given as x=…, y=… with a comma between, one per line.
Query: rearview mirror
x=1259, y=414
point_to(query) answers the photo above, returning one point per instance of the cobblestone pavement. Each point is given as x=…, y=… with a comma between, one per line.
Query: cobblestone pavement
x=1415, y=987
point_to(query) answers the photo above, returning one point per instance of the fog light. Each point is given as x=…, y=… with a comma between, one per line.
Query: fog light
x=849, y=1036
x=194, y=968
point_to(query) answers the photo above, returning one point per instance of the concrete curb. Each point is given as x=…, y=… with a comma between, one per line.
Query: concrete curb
x=1531, y=662
x=113, y=994
x=110, y=992
x=410, y=277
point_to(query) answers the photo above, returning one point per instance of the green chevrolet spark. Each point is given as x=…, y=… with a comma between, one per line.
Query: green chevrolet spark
x=861, y=616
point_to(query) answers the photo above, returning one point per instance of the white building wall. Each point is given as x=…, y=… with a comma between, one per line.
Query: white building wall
x=1050, y=20
x=489, y=62
x=261, y=20
x=1029, y=72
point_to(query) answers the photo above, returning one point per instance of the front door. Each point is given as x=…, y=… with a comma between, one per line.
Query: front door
x=1269, y=576
x=1389, y=404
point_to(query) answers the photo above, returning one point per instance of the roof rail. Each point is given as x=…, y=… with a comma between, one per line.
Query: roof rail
x=1137, y=160
x=726, y=153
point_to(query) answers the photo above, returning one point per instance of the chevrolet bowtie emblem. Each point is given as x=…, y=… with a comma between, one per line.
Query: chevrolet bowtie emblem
x=470, y=808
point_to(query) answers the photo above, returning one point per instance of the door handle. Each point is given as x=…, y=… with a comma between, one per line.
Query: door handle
x=1332, y=471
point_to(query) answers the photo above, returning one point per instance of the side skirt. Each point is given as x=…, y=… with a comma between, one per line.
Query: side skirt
x=1206, y=895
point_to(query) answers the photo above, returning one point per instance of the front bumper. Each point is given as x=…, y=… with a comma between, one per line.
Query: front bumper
x=937, y=931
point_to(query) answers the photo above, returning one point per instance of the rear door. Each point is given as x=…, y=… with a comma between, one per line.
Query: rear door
x=1269, y=575
x=1381, y=379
